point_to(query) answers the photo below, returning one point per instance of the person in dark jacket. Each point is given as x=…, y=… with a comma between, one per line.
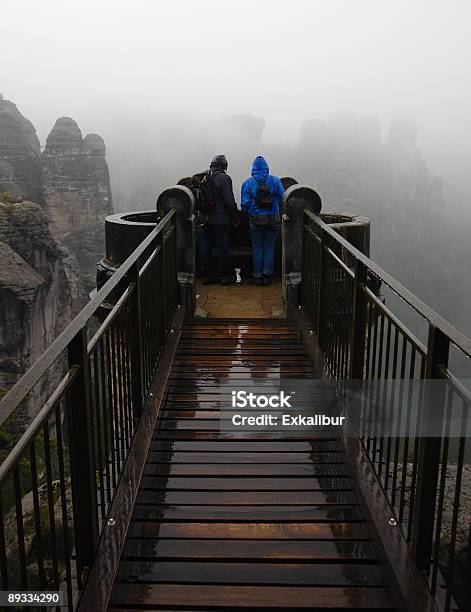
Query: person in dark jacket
x=264, y=217
x=217, y=228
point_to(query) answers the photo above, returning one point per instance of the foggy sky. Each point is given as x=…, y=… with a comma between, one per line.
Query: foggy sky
x=284, y=61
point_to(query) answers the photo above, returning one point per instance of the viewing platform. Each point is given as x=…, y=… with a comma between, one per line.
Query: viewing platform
x=134, y=489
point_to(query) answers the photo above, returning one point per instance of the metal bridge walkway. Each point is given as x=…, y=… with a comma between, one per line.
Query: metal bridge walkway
x=232, y=520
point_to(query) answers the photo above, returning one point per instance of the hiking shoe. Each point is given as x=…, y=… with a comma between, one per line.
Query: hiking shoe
x=266, y=280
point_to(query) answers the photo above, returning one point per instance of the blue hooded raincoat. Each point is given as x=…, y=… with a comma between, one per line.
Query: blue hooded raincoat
x=260, y=175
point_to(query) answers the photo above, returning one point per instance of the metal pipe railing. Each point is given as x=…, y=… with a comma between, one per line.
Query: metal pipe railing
x=59, y=476
x=363, y=340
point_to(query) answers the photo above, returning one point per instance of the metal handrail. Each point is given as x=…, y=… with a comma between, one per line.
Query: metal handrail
x=455, y=336
x=74, y=448
x=362, y=340
x=25, y=384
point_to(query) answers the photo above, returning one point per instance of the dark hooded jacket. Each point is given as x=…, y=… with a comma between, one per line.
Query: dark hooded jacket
x=225, y=209
x=260, y=175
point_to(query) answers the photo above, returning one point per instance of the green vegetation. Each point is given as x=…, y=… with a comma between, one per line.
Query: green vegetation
x=6, y=197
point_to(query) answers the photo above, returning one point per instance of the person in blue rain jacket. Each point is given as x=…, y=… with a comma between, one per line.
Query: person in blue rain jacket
x=261, y=198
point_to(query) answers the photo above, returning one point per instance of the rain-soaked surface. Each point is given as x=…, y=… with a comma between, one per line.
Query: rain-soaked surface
x=244, y=519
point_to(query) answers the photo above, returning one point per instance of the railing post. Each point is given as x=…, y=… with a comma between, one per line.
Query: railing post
x=428, y=460
x=136, y=343
x=181, y=199
x=295, y=200
x=82, y=456
x=359, y=318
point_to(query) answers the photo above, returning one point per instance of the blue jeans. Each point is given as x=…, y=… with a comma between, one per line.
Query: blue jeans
x=263, y=244
x=208, y=236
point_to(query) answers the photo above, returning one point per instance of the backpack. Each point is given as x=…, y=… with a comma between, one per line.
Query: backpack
x=202, y=188
x=264, y=198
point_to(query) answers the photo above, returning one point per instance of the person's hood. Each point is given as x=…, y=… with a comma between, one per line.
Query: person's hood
x=260, y=168
x=219, y=162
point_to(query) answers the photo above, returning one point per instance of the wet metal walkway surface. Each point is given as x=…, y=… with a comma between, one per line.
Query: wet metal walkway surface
x=226, y=521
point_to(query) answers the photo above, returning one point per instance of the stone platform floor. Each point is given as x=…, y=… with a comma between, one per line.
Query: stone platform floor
x=244, y=300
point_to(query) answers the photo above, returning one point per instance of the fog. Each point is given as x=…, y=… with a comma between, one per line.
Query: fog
x=285, y=62
x=162, y=81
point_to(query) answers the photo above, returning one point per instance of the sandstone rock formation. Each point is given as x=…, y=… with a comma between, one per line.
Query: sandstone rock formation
x=40, y=288
x=70, y=180
x=20, y=154
x=77, y=193
x=387, y=181
x=50, y=243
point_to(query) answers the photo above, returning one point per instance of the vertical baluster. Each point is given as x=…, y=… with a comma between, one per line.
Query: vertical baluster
x=136, y=341
x=416, y=443
x=37, y=514
x=115, y=457
x=405, y=459
x=428, y=457
x=115, y=335
x=106, y=425
x=127, y=372
x=82, y=455
x=441, y=492
x=50, y=506
x=360, y=314
x=375, y=377
x=99, y=431
x=456, y=510
x=20, y=528
x=61, y=463
x=3, y=548
x=322, y=294
x=120, y=329
x=393, y=408
x=384, y=376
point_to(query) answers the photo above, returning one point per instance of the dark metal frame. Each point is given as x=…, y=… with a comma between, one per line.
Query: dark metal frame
x=73, y=453
x=97, y=591
x=362, y=339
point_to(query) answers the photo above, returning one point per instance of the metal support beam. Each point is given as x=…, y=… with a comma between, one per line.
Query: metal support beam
x=428, y=461
x=82, y=456
x=136, y=342
x=359, y=315
x=181, y=200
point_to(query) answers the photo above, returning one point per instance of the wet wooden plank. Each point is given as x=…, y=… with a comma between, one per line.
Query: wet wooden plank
x=247, y=550
x=237, y=513
x=235, y=447
x=210, y=377
x=248, y=340
x=238, y=457
x=200, y=483
x=239, y=372
x=275, y=470
x=244, y=520
x=251, y=531
x=321, y=574
x=245, y=498
x=271, y=359
x=251, y=597
x=216, y=425
x=172, y=434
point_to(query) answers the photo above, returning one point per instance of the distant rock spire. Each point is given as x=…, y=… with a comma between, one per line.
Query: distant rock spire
x=20, y=153
x=65, y=138
x=77, y=192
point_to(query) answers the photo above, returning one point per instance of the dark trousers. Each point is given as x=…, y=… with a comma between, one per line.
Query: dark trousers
x=208, y=236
